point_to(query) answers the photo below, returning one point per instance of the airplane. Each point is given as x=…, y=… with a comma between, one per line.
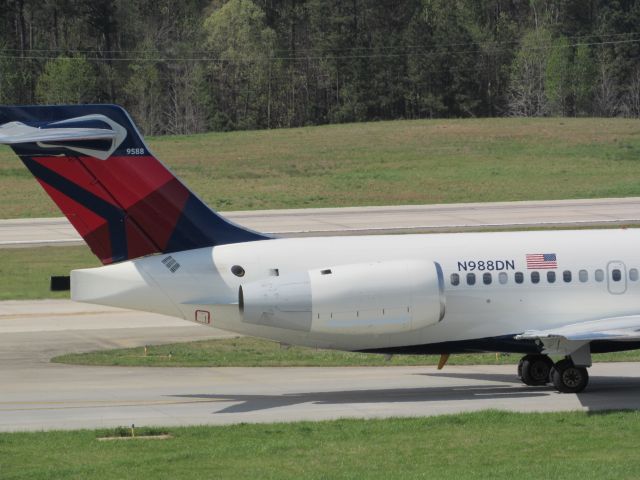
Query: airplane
x=560, y=293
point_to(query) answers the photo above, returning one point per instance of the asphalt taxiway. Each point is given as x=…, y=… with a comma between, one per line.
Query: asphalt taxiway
x=376, y=220
x=38, y=395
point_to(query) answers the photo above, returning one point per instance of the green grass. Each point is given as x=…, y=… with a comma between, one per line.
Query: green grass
x=385, y=163
x=25, y=272
x=254, y=352
x=489, y=444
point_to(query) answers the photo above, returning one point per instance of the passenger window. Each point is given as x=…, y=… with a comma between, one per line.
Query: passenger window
x=519, y=277
x=633, y=274
x=583, y=276
x=471, y=278
x=616, y=275
x=599, y=275
x=566, y=276
x=551, y=277
x=455, y=279
x=486, y=278
x=535, y=277
x=503, y=278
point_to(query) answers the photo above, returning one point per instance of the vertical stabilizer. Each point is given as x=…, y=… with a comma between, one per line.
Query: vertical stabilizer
x=121, y=199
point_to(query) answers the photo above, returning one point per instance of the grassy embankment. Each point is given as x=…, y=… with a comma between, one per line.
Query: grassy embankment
x=25, y=272
x=254, y=352
x=385, y=163
x=477, y=445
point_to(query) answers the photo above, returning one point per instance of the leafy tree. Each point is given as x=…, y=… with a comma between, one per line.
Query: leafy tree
x=442, y=72
x=557, y=83
x=241, y=74
x=583, y=79
x=605, y=102
x=145, y=94
x=10, y=78
x=631, y=101
x=188, y=66
x=527, y=89
x=494, y=25
x=67, y=80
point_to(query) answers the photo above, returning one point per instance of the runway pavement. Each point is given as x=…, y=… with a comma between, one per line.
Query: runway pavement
x=37, y=395
x=363, y=220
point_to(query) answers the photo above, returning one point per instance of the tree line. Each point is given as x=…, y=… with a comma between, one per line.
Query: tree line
x=201, y=65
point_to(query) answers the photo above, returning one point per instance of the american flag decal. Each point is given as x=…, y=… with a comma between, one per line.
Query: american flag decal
x=541, y=261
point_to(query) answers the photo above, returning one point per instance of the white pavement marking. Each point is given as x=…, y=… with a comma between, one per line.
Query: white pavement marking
x=360, y=220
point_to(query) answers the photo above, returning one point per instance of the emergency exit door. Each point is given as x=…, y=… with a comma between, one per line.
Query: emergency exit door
x=616, y=277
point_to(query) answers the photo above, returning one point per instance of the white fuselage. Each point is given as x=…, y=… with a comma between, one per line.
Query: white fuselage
x=203, y=288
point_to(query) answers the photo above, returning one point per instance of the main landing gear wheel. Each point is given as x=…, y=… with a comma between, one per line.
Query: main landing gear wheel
x=535, y=369
x=568, y=378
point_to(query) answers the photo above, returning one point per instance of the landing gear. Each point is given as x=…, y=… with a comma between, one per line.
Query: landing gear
x=568, y=378
x=535, y=369
x=565, y=375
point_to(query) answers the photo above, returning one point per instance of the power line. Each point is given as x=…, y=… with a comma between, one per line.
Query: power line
x=211, y=59
x=579, y=39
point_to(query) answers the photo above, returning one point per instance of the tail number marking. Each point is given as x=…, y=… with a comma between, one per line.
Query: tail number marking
x=486, y=265
x=136, y=151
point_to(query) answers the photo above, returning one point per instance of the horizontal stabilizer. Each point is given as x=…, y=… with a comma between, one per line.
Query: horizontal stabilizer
x=17, y=132
x=75, y=134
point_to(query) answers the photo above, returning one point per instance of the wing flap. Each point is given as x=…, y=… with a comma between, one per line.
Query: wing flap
x=625, y=328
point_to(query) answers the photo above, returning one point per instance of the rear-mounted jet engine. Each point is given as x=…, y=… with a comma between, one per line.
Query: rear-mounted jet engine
x=374, y=298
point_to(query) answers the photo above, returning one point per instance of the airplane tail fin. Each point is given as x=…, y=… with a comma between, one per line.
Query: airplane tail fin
x=122, y=200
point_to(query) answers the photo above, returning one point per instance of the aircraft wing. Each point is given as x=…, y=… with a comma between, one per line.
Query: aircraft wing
x=615, y=328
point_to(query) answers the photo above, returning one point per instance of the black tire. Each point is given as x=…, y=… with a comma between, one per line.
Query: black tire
x=568, y=378
x=535, y=369
x=520, y=368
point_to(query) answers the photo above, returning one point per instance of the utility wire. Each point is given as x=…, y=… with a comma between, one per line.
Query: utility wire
x=254, y=59
x=285, y=52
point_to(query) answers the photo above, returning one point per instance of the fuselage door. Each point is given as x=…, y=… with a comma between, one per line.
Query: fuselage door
x=616, y=277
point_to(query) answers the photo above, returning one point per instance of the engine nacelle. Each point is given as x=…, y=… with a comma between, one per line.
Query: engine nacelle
x=365, y=298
